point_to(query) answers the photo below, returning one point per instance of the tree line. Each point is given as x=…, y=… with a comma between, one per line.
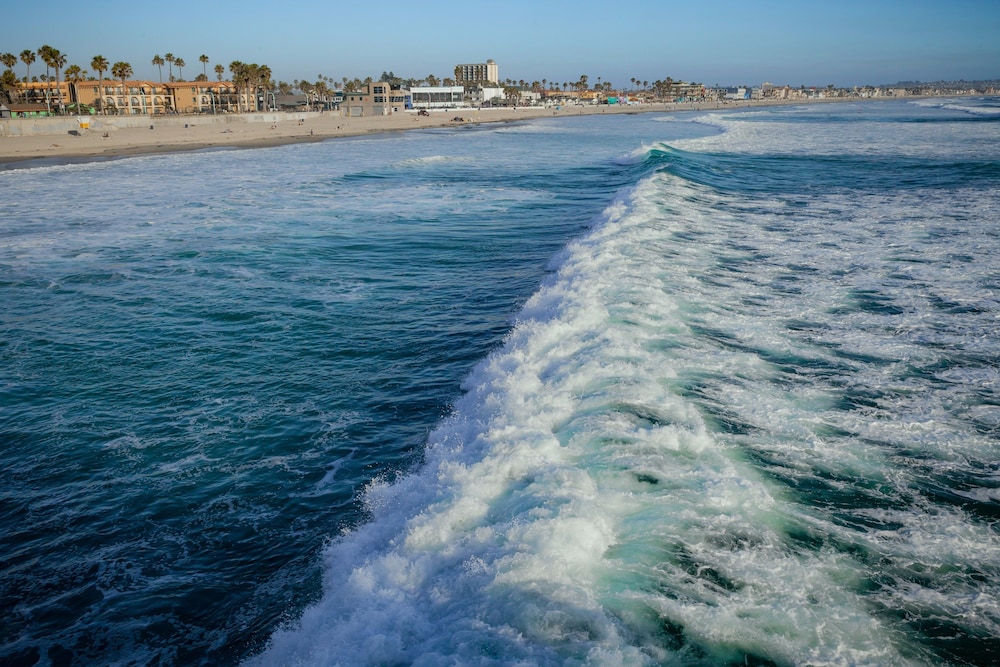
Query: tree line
x=244, y=75
x=251, y=77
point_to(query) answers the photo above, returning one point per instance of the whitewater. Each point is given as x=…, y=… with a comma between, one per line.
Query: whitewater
x=718, y=388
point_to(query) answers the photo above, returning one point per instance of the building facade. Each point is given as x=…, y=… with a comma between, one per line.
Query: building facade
x=136, y=98
x=377, y=99
x=477, y=73
x=438, y=97
x=211, y=97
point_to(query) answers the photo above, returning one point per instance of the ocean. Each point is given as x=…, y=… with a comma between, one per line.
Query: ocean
x=705, y=388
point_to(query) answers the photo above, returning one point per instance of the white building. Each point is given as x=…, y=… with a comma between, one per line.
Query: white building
x=484, y=97
x=438, y=97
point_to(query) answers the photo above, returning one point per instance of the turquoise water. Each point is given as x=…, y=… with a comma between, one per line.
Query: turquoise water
x=712, y=388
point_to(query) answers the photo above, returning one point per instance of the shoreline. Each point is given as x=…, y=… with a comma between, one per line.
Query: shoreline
x=193, y=133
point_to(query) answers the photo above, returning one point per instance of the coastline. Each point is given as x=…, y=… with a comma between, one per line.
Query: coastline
x=190, y=133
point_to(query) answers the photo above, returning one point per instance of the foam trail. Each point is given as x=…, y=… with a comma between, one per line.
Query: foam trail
x=575, y=510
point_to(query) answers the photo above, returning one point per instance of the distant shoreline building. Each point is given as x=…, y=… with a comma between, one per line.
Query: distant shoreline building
x=134, y=98
x=376, y=99
x=437, y=97
x=487, y=72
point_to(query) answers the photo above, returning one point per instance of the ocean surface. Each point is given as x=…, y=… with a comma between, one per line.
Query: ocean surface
x=706, y=388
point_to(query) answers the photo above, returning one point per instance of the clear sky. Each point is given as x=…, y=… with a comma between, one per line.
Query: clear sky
x=729, y=42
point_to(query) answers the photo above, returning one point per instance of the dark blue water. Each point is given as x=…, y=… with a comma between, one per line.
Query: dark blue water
x=691, y=389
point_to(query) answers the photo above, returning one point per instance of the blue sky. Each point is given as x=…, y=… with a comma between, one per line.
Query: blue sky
x=801, y=42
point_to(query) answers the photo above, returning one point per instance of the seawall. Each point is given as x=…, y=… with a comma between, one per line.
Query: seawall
x=61, y=125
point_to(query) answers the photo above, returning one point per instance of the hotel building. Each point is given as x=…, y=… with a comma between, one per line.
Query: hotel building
x=477, y=73
x=133, y=98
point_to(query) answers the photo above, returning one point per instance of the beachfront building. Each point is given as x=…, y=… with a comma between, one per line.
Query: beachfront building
x=438, y=97
x=681, y=91
x=734, y=93
x=482, y=73
x=484, y=96
x=376, y=99
x=561, y=97
x=214, y=97
x=133, y=98
x=43, y=97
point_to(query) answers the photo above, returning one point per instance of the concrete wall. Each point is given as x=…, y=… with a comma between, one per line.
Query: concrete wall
x=19, y=127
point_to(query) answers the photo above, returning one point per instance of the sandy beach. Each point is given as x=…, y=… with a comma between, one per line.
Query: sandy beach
x=107, y=138
x=179, y=133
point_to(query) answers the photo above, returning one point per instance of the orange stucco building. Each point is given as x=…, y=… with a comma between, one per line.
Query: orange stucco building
x=137, y=97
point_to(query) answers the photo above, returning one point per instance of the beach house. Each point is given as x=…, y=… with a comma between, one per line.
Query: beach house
x=378, y=98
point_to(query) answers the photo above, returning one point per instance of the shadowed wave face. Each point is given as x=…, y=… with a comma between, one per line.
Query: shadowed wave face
x=703, y=389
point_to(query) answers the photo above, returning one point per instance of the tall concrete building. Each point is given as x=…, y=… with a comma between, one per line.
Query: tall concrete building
x=477, y=73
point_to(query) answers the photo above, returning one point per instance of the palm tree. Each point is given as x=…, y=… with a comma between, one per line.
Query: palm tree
x=100, y=63
x=169, y=57
x=58, y=62
x=158, y=61
x=52, y=58
x=123, y=70
x=45, y=53
x=9, y=84
x=8, y=59
x=75, y=75
x=239, y=72
x=204, y=65
x=512, y=93
x=219, y=71
x=27, y=57
x=180, y=68
x=262, y=80
x=322, y=91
